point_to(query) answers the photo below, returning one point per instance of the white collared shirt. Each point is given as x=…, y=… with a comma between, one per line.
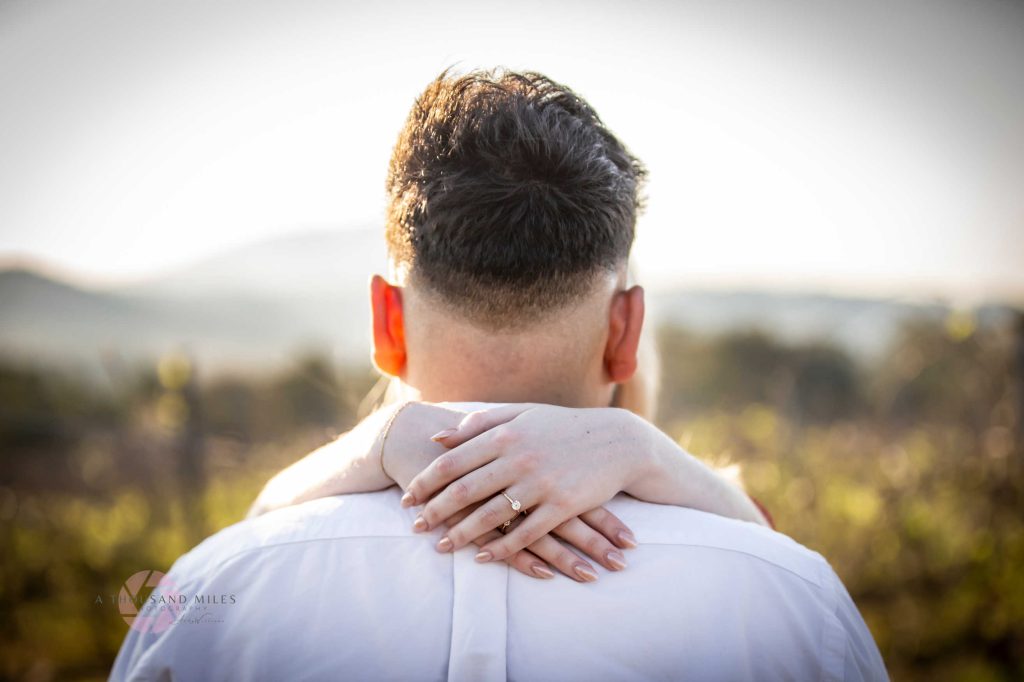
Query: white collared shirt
x=342, y=589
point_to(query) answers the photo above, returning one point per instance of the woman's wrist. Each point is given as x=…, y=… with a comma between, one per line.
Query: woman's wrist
x=640, y=450
x=407, y=448
x=666, y=474
x=384, y=430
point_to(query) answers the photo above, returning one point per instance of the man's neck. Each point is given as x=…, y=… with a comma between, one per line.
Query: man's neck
x=498, y=390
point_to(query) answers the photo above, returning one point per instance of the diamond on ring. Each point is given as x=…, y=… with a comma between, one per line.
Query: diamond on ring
x=516, y=506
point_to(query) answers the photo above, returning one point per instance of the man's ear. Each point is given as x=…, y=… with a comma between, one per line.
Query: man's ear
x=388, y=326
x=624, y=324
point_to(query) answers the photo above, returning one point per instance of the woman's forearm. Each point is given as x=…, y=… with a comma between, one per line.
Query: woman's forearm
x=661, y=471
x=352, y=463
x=667, y=474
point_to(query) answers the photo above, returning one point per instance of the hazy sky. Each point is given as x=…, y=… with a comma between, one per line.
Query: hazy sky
x=870, y=147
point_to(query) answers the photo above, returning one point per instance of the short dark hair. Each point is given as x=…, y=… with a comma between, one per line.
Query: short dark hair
x=507, y=195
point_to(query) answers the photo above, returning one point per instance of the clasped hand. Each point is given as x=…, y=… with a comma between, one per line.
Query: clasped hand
x=560, y=464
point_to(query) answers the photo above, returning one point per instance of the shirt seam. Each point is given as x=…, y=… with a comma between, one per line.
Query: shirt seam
x=287, y=543
x=817, y=582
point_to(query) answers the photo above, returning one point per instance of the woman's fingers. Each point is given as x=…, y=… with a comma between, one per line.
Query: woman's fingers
x=594, y=544
x=547, y=519
x=539, y=523
x=477, y=485
x=475, y=423
x=531, y=561
x=565, y=560
x=489, y=516
x=610, y=526
x=525, y=561
x=446, y=468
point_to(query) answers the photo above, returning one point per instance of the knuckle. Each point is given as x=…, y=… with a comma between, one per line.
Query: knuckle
x=561, y=505
x=491, y=516
x=529, y=461
x=546, y=486
x=565, y=560
x=459, y=491
x=594, y=545
x=486, y=538
x=504, y=437
x=531, y=535
x=472, y=421
x=446, y=464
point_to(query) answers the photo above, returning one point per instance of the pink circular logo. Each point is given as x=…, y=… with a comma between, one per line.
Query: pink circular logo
x=143, y=607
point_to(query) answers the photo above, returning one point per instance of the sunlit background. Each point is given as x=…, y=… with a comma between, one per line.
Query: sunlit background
x=191, y=197
x=862, y=147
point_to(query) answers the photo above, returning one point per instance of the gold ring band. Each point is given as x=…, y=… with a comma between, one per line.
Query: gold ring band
x=516, y=505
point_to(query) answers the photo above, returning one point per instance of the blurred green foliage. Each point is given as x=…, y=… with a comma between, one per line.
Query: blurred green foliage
x=905, y=472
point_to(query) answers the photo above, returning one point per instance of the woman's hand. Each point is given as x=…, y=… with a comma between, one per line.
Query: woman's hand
x=534, y=560
x=589, y=533
x=405, y=455
x=559, y=463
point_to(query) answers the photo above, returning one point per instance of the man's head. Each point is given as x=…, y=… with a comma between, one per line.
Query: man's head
x=511, y=213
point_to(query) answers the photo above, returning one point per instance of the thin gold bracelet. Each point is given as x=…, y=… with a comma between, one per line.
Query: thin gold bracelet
x=387, y=429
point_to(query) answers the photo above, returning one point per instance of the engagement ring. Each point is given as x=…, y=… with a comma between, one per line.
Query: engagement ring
x=516, y=506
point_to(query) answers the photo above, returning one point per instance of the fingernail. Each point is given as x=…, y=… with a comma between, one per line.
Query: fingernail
x=483, y=557
x=408, y=500
x=441, y=435
x=542, y=571
x=616, y=559
x=419, y=525
x=586, y=573
x=444, y=544
x=626, y=538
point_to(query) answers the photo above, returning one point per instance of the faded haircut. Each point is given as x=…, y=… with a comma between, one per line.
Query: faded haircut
x=508, y=196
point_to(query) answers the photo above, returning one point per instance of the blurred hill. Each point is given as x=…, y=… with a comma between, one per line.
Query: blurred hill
x=248, y=308
x=255, y=306
x=324, y=262
x=864, y=327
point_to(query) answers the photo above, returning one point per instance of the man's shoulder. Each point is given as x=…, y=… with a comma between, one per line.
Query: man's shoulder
x=357, y=515
x=657, y=524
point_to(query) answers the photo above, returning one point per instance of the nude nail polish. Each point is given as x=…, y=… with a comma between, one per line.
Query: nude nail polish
x=586, y=573
x=444, y=545
x=626, y=538
x=441, y=435
x=419, y=525
x=408, y=500
x=542, y=571
x=616, y=560
x=483, y=557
